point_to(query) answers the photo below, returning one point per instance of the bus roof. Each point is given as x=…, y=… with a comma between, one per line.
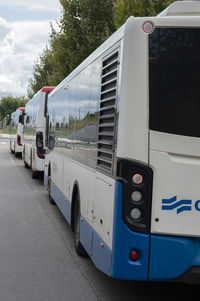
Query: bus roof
x=182, y=8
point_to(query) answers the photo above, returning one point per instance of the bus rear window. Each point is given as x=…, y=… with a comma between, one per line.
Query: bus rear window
x=174, y=81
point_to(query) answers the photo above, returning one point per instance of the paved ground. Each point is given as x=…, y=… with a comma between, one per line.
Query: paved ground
x=37, y=257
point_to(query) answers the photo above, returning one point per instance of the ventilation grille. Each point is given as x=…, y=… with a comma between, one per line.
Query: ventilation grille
x=107, y=113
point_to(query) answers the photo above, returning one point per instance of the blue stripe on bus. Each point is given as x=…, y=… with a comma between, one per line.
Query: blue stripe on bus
x=124, y=241
x=86, y=234
x=62, y=202
x=90, y=239
x=96, y=248
x=172, y=256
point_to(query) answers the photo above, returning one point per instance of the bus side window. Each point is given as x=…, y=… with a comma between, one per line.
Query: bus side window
x=52, y=141
x=57, y=126
x=27, y=119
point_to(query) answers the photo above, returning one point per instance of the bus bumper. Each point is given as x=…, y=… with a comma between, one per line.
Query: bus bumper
x=174, y=258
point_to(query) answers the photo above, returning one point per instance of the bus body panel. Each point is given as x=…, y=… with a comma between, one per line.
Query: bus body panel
x=133, y=104
x=17, y=129
x=38, y=163
x=175, y=206
x=96, y=223
x=35, y=121
x=27, y=148
x=31, y=111
x=100, y=217
x=175, y=160
x=56, y=167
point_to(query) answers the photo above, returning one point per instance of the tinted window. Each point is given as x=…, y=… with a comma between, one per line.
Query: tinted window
x=73, y=112
x=174, y=81
x=31, y=111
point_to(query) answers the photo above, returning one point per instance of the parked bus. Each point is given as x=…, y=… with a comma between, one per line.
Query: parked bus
x=17, y=127
x=35, y=124
x=124, y=135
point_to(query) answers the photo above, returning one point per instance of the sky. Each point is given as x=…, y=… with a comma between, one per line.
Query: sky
x=24, y=33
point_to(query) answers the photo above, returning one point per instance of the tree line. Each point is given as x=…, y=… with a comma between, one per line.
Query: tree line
x=9, y=104
x=82, y=27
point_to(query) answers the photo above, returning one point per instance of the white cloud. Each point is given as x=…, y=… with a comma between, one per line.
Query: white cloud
x=6, y=38
x=20, y=45
x=23, y=36
x=45, y=5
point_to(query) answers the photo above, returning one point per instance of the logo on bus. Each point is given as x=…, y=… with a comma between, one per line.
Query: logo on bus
x=179, y=205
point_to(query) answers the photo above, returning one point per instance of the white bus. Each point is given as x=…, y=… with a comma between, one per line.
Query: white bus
x=35, y=124
x=124, y=135
x=17, y=127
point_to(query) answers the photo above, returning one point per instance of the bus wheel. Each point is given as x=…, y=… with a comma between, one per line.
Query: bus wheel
x=35, y=175
x=26, y=165
x=17, y=155
x=51, y=200
x=78, y=246
x=12, y=152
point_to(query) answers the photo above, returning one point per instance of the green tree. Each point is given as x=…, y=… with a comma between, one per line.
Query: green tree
x=86, y=24
x=9, y=104
x=59, y=56
x=41, y=70
x=83, y=26
x=138, y=8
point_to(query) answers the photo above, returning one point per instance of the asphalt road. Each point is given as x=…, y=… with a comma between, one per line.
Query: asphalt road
x=37, y=257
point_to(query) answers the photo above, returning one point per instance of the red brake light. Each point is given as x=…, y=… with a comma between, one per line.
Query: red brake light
x=134, y=255
x=40, y=155
x=19, y=140
x=137, y=178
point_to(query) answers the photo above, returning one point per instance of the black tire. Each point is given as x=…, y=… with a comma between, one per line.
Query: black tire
x=41, y=175
x=51, y=200
x=35, y=175
x=77, y=244
x=26, y=165
x=17, y=155
x=31, y=159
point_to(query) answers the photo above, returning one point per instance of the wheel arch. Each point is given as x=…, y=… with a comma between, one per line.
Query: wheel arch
x=74, y=194
x=49, y=169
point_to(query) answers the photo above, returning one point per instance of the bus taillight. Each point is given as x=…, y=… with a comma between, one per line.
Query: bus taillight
x=136, y=180
x=136, y=196
x=40, y=155
x=136, y=213
x=19, y=140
